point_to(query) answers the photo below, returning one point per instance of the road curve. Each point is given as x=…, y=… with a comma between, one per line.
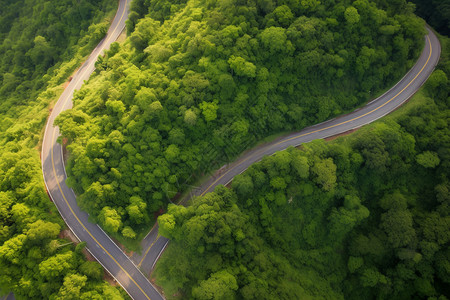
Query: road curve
x=153, y=244
x=105, y=250
x=98, y=243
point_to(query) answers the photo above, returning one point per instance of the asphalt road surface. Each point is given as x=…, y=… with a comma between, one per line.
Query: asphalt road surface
x=126, y=271
x=98, y=242
x=10, y=296
x=153, y=244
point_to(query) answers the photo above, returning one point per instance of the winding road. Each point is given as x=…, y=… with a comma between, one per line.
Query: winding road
x=127, y=271
x=153, y=244
x=98, y=242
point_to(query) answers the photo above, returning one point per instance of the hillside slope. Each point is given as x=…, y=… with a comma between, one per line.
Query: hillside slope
x=198, y=82
x=365, y=216
x=41, y=43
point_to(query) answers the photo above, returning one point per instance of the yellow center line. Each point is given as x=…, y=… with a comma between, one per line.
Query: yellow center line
x=332, y=126
x=81, y=223
x=105, y=43
x=59, y=186
x=146, y=252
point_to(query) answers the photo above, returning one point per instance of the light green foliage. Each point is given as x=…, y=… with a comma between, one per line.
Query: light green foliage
x=155, y=107
x=57, y=265
x=278, y=183
x=428, y=159
x=325, y=171
x=72, y=287
x=41, y=43
x=275, y=40
x=220, y=285
x=437, y=80
x=196, y=83
x=243, y=185
x=300, y=165
x=351, y=15
x=310, y=4
x=110, y=219
x=283, y=15
x=209, y=110
x=12, y=248
x=242, y=67
x=41, y=51
x=371, y=277
x=224, y=257
x=137, y=210
x=92, y=269
x=41, y=230
x=167, y=225
x=143, y=33
x=190, y=117
x=115, y=107
x=128, y=232
x=362, y=217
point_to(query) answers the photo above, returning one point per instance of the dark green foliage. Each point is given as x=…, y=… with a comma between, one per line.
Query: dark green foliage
x=436, y=13
x=363, y=217
x=36, y=36
x=225, y=257
x=197, y=82
x=41, y=43
x=35, y=263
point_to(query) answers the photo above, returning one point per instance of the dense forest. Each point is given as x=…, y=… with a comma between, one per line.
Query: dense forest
x=41, y=43
x=197, y=82
x=365, y=216
x=436, y=13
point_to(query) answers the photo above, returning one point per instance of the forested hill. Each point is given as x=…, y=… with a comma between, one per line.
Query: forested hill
x=41, y=44
x=36, y=35
x=436, y=13
x=199, y=81
x=365, y=216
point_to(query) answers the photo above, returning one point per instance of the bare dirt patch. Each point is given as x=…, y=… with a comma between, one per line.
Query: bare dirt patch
x=122, y=37
x=107, y=277
x=122, y=247
x=68, y=235
x=340, y=134
x=157, y=287
x=66, y=84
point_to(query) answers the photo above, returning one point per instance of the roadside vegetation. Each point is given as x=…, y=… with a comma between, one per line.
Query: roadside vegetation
x=198, y=82
x=436, y=13
x=41, y=44
x=365, y=216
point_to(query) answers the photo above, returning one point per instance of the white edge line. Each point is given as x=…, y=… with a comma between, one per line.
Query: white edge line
x=151, y=230
x=410, y=70
x=87, y=248
x=79, y=240
x=160, y=252
x=64, y=167
x=49, y=193
x=328, y=121
x=230, y=179
x=107, y=235
x=296, y=145
x=109, y=273
x=358, y=126
x=63, y=163
x=400, y=81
